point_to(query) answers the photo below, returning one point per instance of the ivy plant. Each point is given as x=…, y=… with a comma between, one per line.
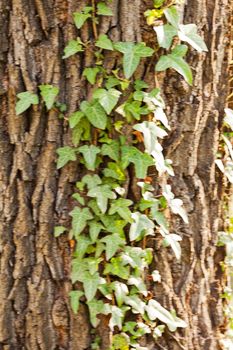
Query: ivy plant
x=110, y=257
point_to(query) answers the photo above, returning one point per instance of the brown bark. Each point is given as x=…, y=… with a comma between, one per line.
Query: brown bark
x=35, y=267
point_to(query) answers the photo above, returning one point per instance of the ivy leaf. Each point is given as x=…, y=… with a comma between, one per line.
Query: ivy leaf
x=180, y=50
x=136, y=257
x=91, y=284
x=91, y=181
x=188, y=33
x=59, y=230
x=81, y=17
x=49, y=94
x=81, y=131
x=150, y=132
x=90, y=74
x=139, y=284
x=173, y=241
x=72, y=48
x=78, y=269
x=117, y=317
x=102, y=193
x=95, y=229
x=75, y=296
x=132, y=54
x=229, y=117
x=134, y=108
x=177, y=63
x=112, y=150
x=75, y=118
x=107, y=98
x=155, y=310
x=121, y=290
x=141, y=224
x=120, y=206
x=82, y=245
x=89, y=154
x=141, y=160
x=65, y=154
x=113, y=243
x=26, y=99
x=137, y=305
x=80, y=218
x=97, y=307
x=165, y=35
x=103, y=10
x=78, y=198
x=115, y=171
x=175, y=204
x=104, y=43
x=117, y=268
x=172, y=16
x=95, y=114
x=121, y=341
x=113, y=224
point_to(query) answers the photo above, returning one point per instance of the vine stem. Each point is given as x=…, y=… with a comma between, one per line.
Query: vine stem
x=94, y=20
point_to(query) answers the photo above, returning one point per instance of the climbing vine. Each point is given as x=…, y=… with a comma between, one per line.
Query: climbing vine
x=110, y=264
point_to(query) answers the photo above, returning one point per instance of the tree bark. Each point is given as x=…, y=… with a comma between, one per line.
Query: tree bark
x=34, y=196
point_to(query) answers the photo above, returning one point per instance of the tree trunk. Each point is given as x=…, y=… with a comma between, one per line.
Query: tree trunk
x=35, y=267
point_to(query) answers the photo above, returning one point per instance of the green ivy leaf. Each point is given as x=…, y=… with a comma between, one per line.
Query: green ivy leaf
x=26, y=99
x=188, y=33
x=75, y=118
x=121, y=341
x=134, y=108
x=165, y=35
x=89, y=153
x=172, y=16
x=141, y=160
x=176, y=62
x=113, y=243
x=120, y=206
x=49, y=94
x=81, y=247
x=141, y=224
x=112, y=150
x=107, y=98
x=115, y=171
x=75, y=296
x=95, y=229
x=59, y=230
x=72, y=48
x=97, y=307
x=95, y=114
x=140, y=85
x=158, y=3
x=102, y=194
x=117, y=268
x=90, y=74
x=65, y=154
x=78, y=198
x=91, y=284
x=81, y=17
x=112, y=82
x=78, y=269
x=104, y=43
x=81, y=131
x=91, y=181
x=79, y=219
x=132, y=54
x=103, y=10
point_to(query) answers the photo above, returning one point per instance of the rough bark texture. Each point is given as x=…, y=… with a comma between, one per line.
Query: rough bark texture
x=34, y=270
